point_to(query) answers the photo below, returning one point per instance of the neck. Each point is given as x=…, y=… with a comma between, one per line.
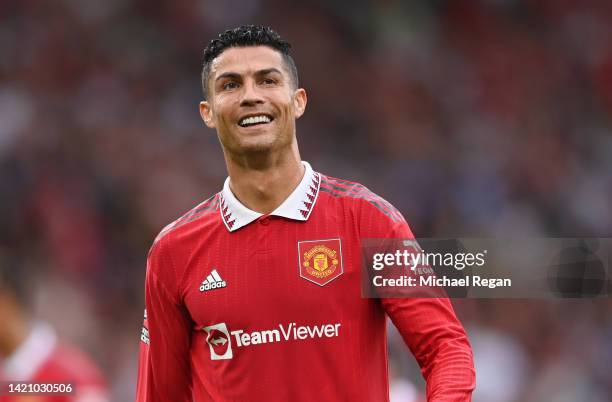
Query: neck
x=263, y=181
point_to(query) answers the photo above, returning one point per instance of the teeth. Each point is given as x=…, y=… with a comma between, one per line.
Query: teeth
x=254, y=120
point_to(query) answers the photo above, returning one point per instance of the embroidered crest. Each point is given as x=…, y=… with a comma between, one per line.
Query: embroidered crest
x=320, y=260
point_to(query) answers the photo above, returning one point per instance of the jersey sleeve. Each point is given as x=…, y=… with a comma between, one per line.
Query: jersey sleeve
x=428, y=326
x=164, y=372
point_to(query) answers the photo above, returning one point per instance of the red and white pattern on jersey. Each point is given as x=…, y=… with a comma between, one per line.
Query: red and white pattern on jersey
x=311, y=195
x=226, y=215
x=298, y=206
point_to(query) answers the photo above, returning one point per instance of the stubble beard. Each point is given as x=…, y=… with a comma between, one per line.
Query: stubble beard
x=257, y=145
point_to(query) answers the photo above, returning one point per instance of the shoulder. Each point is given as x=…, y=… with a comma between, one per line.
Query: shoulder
x=203, y=213
x=166, y=266
x=359, y=196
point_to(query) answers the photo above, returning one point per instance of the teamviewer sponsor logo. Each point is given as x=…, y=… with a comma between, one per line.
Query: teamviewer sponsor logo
x=220, y=342
x=212, y=281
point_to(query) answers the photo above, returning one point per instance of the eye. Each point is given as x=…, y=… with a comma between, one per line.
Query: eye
x=268, y=81
x=230, y=85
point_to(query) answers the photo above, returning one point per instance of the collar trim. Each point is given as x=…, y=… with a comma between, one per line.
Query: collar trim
x=298, y=206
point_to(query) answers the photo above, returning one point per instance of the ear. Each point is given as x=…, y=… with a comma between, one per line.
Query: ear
x=299, y=102
x=207, y=114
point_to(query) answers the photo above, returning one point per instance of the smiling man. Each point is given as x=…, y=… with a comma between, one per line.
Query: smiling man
x=255, y=294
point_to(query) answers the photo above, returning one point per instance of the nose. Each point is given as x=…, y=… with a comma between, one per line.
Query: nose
x=250, y=94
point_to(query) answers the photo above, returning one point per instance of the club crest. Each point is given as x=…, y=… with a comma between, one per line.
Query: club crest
x=320, y=260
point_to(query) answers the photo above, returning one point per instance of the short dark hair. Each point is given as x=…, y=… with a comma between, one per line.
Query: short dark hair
x=247, y=35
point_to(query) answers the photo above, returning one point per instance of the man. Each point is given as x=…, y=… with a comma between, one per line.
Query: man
x=30, y=350
x=254, y=295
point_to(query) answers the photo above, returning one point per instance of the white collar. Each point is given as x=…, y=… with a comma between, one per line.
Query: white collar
x=297, y=206
x=25, y=361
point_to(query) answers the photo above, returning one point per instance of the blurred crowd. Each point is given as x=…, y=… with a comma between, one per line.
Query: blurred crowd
x=486, y=118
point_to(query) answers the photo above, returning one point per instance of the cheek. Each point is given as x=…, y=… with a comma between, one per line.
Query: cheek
x=222, y=114
x=225, y=120
x=288, y=109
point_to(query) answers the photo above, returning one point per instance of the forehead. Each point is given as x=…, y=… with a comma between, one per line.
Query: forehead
x=245, y=60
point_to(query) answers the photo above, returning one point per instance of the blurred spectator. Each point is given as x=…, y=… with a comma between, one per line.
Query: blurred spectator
x=31, y=351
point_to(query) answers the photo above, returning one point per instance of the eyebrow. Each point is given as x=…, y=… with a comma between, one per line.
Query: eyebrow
x=268, y=71
x=259, y=73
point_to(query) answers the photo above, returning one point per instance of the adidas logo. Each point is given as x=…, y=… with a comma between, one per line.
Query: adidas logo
x=212, y=281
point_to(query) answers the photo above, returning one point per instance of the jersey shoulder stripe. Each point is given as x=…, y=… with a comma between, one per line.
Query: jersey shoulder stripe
x=343, y=188
x=205, y=208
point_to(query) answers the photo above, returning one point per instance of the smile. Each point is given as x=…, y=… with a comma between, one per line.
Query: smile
x=255, y=120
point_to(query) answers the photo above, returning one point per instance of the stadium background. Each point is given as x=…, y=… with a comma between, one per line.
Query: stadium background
x=482, y=118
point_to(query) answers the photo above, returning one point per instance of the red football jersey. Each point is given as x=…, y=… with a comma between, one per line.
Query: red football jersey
x=242, y=306
x=43, y=359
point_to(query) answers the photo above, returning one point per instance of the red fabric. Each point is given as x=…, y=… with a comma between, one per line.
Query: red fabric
x=265, y=288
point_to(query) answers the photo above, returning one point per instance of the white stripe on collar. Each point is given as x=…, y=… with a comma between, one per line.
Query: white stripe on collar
x=298, y=206
x=31, y=354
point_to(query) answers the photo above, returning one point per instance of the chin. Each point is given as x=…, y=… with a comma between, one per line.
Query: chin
x=256, y=147
x=255, y=143
x=261, y=142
